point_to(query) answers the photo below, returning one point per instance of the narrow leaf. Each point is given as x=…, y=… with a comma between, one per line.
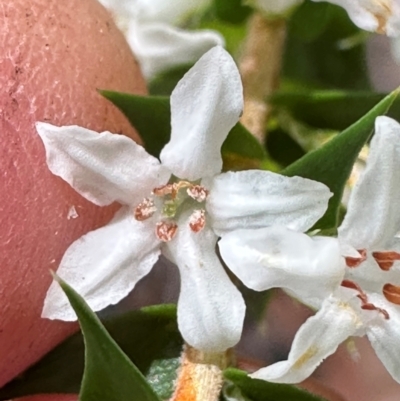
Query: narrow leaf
x=260, y=390
x=332, y=163
x=330, y=109
x=148, y=336
x=109, y=374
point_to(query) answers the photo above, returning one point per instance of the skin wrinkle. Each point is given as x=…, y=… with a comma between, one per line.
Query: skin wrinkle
x=54, y=56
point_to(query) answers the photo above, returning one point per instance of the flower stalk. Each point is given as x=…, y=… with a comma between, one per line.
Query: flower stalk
x=260, y=68
x=200, y=377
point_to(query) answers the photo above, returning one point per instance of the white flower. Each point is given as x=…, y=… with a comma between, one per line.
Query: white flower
x=170, y=209
x=381, y=16
x=152, y=29
x=368, y=299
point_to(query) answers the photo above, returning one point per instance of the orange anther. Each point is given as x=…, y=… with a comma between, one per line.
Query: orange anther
x=352, y=261
x=386, y=259
x=166, y=230
x=392, y=293
x=197, y=220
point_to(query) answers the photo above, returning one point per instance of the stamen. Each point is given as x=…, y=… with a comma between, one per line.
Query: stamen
x=364, y=298
x=164, y=190
x=369, y=306
x=386, y=259
x=354, y=286
x=392, y=293
x=145, y=210
x=356, y=261
x=166, y=230
x=198, y=193
x=197, y=220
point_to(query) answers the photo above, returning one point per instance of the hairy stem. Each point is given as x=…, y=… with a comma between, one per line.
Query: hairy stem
x=200, y=375
x=260, y=68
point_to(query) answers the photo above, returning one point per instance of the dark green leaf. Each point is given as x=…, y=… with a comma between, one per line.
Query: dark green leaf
x=149, y=337
x=164, y=83
x=109, y=375
x=232, y=11
x=310, y=20
x=260, y=390
x=151, y=115
x=331, y=109
x=333, y=59
x=332, y=163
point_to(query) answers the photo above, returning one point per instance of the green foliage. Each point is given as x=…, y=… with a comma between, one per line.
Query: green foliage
x=149, y=337
x=260, y=390
x=232, y=11
x=332, y=55
x=316, y=16
x=164, y=83
x=109, y=375
x=151, y=116
x=332, y=163
x=330, y=109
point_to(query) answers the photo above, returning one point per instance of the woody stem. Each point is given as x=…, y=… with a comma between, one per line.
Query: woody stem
x=200, y=375
x=260, y=68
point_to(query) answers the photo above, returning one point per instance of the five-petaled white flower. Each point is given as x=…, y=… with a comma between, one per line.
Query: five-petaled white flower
x=177, y=207
x=152, y=29
x=367, y=301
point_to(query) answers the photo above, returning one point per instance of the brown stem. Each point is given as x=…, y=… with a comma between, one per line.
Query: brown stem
x=260, y=69
x=200, y=375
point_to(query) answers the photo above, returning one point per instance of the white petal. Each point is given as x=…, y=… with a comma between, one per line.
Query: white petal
x=102, y=167
x=171, y=12
x=373, y=214
x=104, y=265
x=384, y=336
x=318, y=338
x=210, y=308
x=160, y=47
x=277, y=257
x=372, y=15
x=255, y=199
x=205, y=105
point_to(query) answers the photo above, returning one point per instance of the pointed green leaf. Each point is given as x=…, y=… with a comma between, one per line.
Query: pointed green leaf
x=148, y=336
x=260, y=390
x=164, y=83
x=332, y=163
x=151, y=116
x=109, y=374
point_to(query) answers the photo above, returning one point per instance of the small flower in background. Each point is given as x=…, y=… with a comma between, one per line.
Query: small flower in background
x=368, y=299
x=381, y=16
x=155, y=31
x=177, y=207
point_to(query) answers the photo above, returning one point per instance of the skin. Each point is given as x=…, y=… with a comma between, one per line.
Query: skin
x=54, y=54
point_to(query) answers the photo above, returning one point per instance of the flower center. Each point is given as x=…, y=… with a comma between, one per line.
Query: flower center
x=168, y=200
